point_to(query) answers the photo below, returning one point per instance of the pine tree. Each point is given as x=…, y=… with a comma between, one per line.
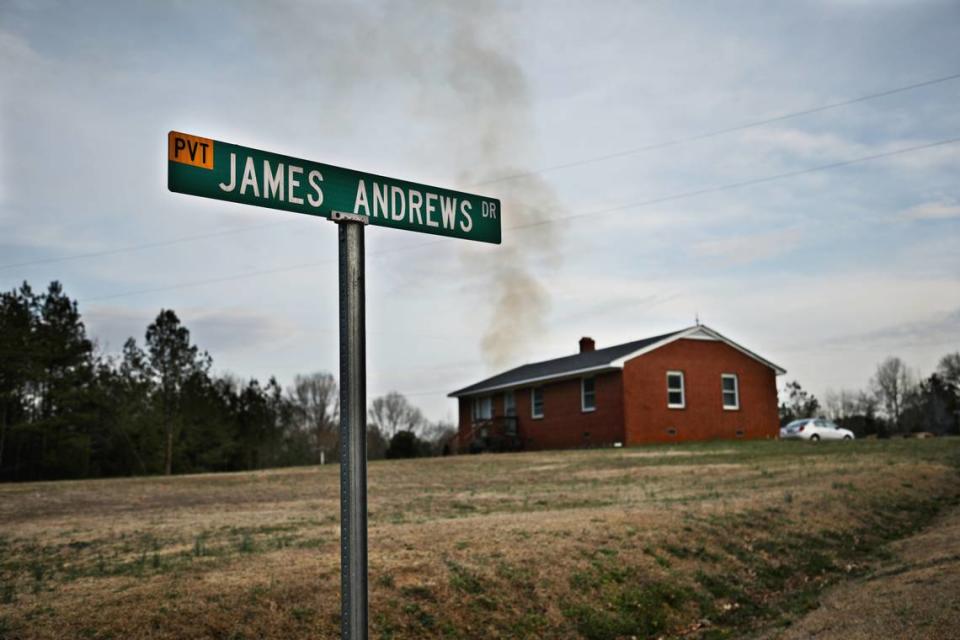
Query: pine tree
x=172, y=361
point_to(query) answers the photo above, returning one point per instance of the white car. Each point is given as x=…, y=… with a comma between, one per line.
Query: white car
x=814, y=429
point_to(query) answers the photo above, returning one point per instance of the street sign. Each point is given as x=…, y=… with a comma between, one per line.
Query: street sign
x=223, y=171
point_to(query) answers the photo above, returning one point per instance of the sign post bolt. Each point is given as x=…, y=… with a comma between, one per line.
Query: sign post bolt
x=353, y=430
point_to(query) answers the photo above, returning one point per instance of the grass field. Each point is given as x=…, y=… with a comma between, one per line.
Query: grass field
x=706, y=541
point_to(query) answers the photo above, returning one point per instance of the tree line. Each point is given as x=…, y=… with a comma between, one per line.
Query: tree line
x=896, y=401
x=69, y=411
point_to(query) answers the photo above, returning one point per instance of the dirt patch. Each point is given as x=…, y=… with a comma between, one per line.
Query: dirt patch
x=672, y=453
x=546, y=467
x=911, y=596
x=672, y=470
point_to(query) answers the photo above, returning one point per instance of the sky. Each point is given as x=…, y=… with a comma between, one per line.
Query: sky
x=621, y=218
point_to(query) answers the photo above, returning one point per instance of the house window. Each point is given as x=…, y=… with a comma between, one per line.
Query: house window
x=482, y=408
x=536, y=402
x=509, y=404
x=588, y=395
x=731, y=391
x=676, y=398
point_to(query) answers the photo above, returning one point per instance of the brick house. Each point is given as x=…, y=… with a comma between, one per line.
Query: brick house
x=693, y=384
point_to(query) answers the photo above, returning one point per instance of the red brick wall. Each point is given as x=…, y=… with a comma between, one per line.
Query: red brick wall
x=564, y=425
x=647, y=418
x=463, y=427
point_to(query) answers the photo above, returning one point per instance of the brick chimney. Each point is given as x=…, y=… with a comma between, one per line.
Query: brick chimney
x=586, y=344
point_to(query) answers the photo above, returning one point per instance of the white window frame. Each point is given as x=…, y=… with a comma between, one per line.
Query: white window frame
x=511, y=408
x=683, y=391
x=736, y=391
x=533, y=403
x=583, y=395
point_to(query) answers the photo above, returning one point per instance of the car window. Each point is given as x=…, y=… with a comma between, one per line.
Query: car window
x=832, y=425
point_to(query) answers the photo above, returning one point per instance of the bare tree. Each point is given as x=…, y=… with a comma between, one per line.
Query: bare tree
x=439, y=436
x=840, y=405
x=392, y=413
x=316, y=407
x=799, y=403
x=891, y=384
x=949, y=369
x=866, y=404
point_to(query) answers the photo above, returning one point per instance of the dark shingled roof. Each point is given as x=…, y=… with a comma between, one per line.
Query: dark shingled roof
x=561, y=366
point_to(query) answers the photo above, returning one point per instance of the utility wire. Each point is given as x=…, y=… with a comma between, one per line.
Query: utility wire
x=717, y=132
x=137, y=247
x=585, y=214
x=624, y=207
x=199, y=283
x=737, y=185
x=574, y=163
x=690, y=194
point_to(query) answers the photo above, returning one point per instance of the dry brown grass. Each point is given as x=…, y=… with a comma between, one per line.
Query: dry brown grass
x=912, y=594
x=535, y=545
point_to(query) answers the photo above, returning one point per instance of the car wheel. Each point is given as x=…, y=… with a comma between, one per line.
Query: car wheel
x=847, y=438
x=814, y=438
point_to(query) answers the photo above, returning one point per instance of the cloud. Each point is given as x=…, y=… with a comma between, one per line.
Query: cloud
x=932, y=211
x=747, y=248
x=218, y=331
x=453, y=95
x=934, y=329
x=805, y=145
x=942, y=158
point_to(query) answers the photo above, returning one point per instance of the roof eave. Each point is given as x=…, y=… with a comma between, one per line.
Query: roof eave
x=464, y=393
x=619, y=362
x=699, y=328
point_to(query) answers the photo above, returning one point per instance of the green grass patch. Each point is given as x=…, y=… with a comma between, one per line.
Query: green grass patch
x=463, y=579
x=636, y=610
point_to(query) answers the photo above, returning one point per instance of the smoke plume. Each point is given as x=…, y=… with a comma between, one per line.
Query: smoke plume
x=453, y=68
x=490, y=85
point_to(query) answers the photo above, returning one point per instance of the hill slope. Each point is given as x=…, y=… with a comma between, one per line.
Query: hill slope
x=707, y=540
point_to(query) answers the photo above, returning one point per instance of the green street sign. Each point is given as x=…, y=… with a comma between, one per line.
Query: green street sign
x=223, y=171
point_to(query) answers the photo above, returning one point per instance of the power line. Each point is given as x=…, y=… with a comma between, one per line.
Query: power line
x=137, y=247
x=238, y=276
x=642, y=203
x=737, y=185
x=574, y=163
x=718, y=132
x=199, y=283
x=424, y=393
x=598, y=212
x=716, y=189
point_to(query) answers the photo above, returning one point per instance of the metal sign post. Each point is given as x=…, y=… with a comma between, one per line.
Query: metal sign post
x=353, y=429
x=220, y=170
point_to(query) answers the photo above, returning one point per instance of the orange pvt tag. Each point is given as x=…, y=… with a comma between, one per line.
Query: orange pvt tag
x=192, y=150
